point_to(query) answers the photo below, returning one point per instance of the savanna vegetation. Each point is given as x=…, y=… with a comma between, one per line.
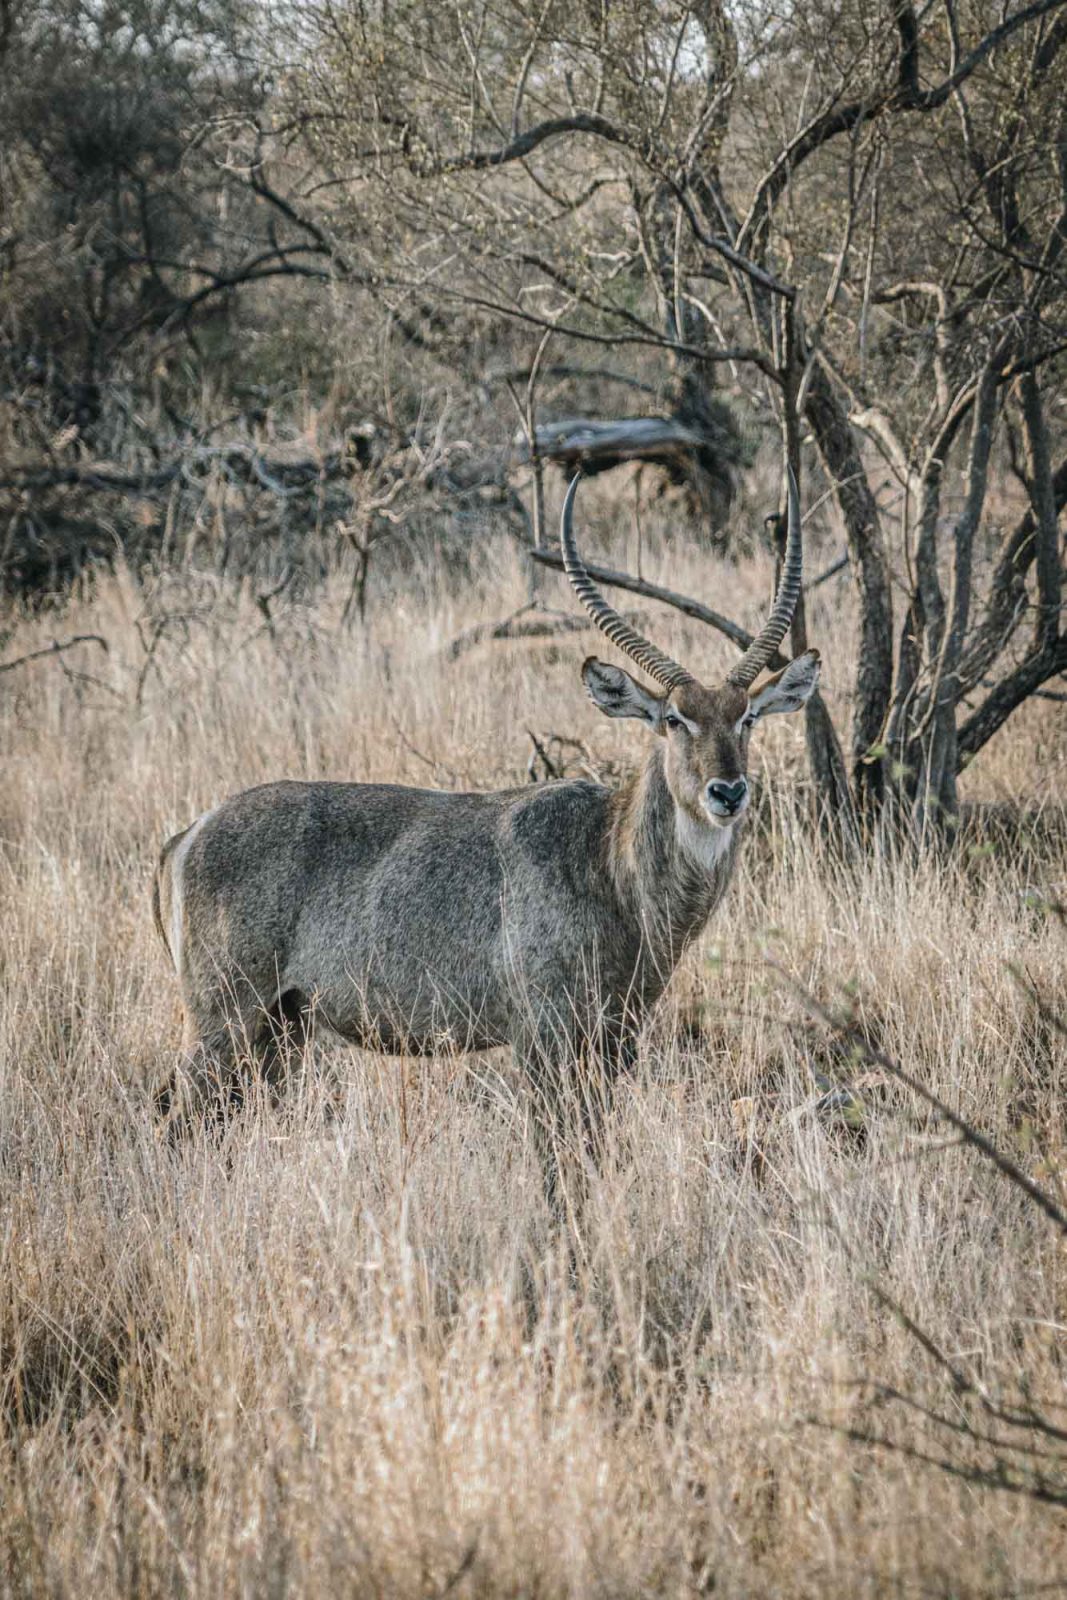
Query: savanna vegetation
x=301, y=312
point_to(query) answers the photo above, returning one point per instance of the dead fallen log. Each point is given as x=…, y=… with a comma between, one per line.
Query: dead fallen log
x=281, y=475
x=529, y=622
x=598, y=446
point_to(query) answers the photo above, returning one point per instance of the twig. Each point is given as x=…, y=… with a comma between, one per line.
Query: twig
x=831, y=572
x=554, y=768
x=89, y=678
x=996, y=1477
x=54, y=649
x=159, y=626
x=969, y=1134
x=435, y=767
x=539, y=751
x=1031, y=1421
x=263, y=601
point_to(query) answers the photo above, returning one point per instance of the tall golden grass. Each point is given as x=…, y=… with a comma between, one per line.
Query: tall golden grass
x=346, y=1350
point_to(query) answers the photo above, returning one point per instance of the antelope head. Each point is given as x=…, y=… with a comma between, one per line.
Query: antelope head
x=706, y=728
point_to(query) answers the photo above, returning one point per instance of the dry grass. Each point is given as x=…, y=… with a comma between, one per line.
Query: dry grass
x=347, y=1353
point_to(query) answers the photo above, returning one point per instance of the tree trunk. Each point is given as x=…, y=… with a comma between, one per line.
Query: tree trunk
x=874, y=677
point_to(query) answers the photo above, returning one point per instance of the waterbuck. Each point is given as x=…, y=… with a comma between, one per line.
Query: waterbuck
x=546, y=918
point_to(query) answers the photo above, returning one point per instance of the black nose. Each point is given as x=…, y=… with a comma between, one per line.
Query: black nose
x=725, y=798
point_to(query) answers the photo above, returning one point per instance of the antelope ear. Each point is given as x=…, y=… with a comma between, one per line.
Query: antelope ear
x=614, y=692
x=788, y=689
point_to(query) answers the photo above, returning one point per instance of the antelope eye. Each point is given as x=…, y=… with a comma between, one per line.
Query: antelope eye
x=673, y=722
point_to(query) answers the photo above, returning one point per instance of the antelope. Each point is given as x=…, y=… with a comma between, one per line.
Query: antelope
x=547, y=918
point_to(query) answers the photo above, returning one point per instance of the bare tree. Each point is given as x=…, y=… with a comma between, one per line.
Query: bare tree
x=855, y=217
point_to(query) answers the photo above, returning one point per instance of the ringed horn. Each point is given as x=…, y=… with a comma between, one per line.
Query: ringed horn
x=655, y=662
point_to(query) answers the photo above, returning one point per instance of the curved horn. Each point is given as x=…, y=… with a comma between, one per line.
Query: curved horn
x=607, y=619
x=774, y=629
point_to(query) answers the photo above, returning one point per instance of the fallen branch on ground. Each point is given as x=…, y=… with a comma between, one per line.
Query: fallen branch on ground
x=530, y=622
x=54, y=649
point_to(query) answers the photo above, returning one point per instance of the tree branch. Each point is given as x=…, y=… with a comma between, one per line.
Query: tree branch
x=1007, y=591
x=54, y=649
x=670, y=597
x=584, y=122
x=1039, y=666
x=905, y=96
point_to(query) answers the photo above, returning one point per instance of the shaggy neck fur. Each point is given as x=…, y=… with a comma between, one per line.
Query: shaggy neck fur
x=671, y=867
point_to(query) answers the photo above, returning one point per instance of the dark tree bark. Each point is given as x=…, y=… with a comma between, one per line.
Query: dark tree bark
x=841, y=458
